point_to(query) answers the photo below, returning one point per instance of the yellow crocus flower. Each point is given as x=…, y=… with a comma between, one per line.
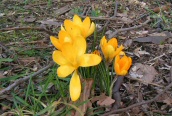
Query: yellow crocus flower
x=110, y=48
x=122, y=64
x=87, y=27
x=65, y=36
x=70, y=58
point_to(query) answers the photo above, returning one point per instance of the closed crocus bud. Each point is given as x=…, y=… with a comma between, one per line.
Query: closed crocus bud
x=122, y=64
x=96, y=52
x=110, y=48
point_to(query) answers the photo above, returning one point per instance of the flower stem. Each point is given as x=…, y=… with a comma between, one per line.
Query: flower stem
x=116, y=95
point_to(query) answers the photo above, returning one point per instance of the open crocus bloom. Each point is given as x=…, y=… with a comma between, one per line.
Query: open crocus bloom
x=122, y=65
x=110, y=48
x=71, y=57
x=65, y=36
x=86, y=27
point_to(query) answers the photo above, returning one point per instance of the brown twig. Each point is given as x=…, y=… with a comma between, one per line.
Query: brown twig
x=113, y=17
x=128, y=29
x=21, y=80
x=140, y=103
x=30, y=42
x=116, y=95
x=28, y=28
x=144, y=82
x=99, y=18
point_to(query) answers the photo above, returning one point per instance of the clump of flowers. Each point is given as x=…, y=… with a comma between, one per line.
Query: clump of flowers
x=71, y=52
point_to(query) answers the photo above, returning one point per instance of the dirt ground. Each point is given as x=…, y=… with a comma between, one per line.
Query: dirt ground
x=142, y=26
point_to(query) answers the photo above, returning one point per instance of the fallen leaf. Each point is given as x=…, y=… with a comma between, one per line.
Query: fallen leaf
x=158, y=39
x=142, y=32
x=126, y=20
x=85, y=96
x=28, y=60
x=96, y=98
x=2, y=14
x=29, y=19
x=144, y=72
x=2, y=75
x=50, y=22
x=106, y=101
x=162, y=8
x=138, y=52
x=168, y=101
x=128, y=43
x=62, y=10
x=103, y=100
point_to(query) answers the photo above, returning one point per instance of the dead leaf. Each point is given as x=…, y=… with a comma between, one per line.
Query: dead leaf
x=126, y=20
x=1, y=75
x=29, y=19
x=142, y=32
x=106, y=101
x=103, y=100
x=62, y=10
x=85, y=96
x=158, y=39
x=168, y=101
x=2, y=14
x=144, y=72
x=128, y=43
x=28, y=60
x=162, y=8
x=138, y=52
x=50, y=22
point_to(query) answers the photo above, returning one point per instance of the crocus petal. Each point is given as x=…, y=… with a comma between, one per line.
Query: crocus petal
x=123, y=72
x=103, y=41
x=109, y=50
x=64, y=37
x=126, y=65
x=55, y=42
x=75, y=87
x=113, y=42
x=80, y=45
x=86, y=24
x=118, y=50
x=123, y=61
x=91, y=30
x=87, y=60
x=69, y=52
x=68, y=24
x=77, y=20
x=62, y=28
x=59, y=58
x=129, y=63
x=65, y=70
x=75, y=31
x=117, y=68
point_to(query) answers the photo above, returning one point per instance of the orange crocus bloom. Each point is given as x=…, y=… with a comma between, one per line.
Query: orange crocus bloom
x=122, y=64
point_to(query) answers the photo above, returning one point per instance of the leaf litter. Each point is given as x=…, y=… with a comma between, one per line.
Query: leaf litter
x=144, y=42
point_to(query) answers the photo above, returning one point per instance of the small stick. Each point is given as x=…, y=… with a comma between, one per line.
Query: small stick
x=140, y=103
x=99, y=18
x=21, y=80
x=28, y=28
x=128, y=29
x=116, y=94
x=141, y=81
x=113, y=17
